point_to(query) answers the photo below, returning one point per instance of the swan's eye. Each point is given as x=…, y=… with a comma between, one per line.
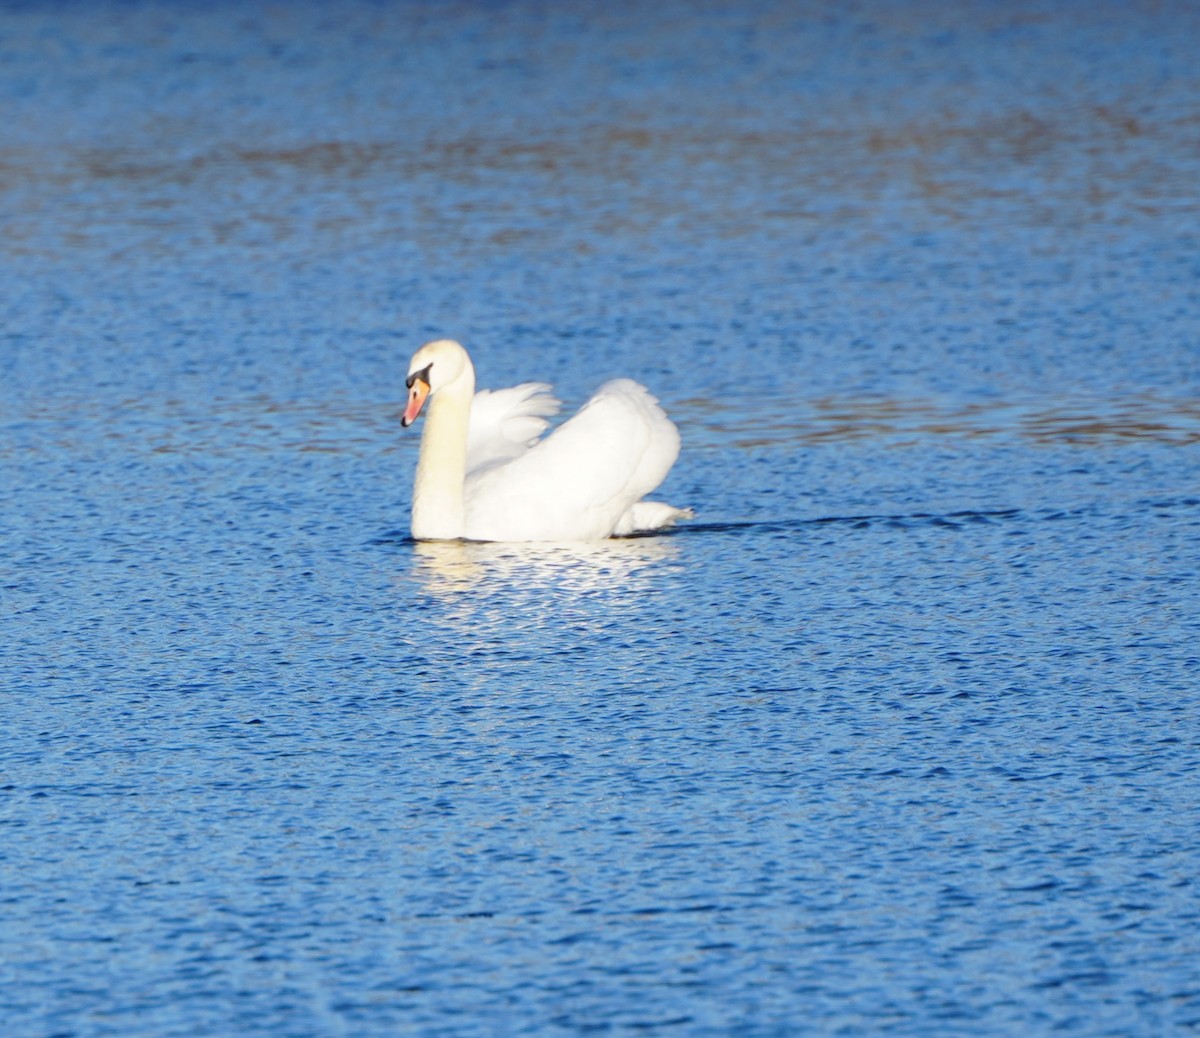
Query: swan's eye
x=423, y=375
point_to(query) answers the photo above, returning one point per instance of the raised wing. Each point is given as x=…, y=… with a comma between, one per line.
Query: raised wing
x=505, y=423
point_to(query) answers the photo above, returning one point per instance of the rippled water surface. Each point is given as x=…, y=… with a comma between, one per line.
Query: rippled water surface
x=899, y=736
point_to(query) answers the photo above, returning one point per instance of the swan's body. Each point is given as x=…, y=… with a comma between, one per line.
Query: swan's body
x=484, y=474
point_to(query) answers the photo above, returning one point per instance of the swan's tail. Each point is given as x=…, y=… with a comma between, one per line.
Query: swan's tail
x=647, y=516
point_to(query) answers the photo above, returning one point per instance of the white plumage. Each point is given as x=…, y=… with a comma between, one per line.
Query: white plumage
x=484, y=472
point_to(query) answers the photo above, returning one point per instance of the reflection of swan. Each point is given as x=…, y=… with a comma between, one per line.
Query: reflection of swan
x=484, y=475
x=536, y=618
x=530, y=570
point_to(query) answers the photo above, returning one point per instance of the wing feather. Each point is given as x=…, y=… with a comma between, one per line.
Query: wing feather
x=505, y=423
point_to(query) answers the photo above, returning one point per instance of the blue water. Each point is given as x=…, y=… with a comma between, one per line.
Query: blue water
x=899, y=736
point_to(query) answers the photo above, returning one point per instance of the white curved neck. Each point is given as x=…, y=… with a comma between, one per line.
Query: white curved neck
x=437, y=508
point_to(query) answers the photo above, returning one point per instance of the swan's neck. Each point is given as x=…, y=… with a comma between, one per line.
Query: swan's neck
x=437, y=508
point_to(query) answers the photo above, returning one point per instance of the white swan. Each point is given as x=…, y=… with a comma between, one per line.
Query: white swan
x=483, y=474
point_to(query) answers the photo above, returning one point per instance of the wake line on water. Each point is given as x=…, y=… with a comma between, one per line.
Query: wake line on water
x=949, y=520
x=901, y=521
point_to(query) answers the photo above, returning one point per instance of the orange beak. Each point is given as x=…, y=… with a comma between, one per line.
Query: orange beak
x=418, y=391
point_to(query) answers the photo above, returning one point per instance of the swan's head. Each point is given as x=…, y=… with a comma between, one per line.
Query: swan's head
x=435, y=365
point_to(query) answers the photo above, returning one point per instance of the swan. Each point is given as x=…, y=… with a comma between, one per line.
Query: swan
x=484, y=473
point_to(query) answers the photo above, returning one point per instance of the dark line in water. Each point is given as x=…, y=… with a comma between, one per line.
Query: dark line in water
x=950, y=519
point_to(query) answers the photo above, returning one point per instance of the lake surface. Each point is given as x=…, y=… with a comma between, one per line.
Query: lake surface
x=899, y=736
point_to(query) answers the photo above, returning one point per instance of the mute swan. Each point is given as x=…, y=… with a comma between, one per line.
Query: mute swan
x=483, y=474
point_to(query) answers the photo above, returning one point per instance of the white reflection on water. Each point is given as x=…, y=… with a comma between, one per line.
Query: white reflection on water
x=450, y=569
x=569, y=608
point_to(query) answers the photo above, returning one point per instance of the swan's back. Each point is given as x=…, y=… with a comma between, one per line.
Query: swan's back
x=580, y=482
